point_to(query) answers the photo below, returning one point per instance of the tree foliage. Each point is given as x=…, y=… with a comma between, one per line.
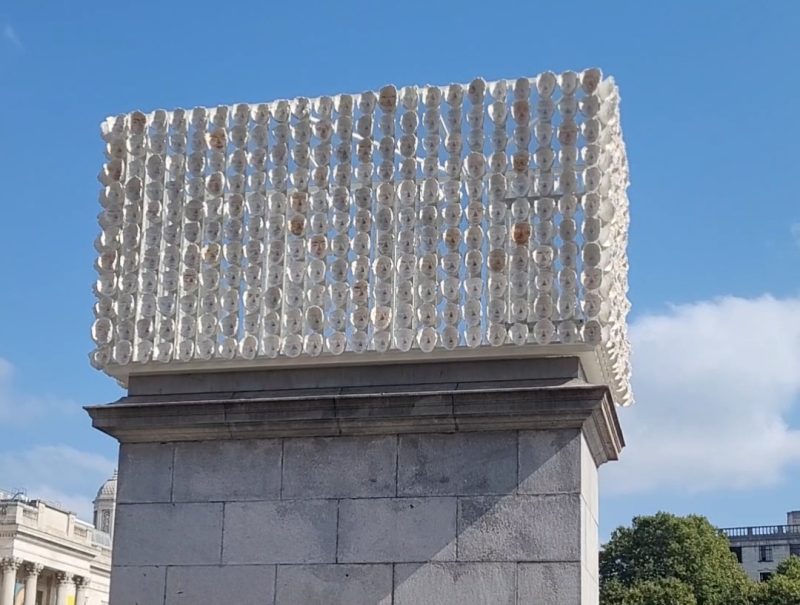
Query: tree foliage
x=783, y=588
x=668, y=559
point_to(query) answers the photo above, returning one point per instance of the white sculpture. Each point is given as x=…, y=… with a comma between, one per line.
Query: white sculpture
x=437, y=219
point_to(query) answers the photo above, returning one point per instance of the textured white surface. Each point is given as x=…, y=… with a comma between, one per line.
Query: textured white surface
x=425, y=218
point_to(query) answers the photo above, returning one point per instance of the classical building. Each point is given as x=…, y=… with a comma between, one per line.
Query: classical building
x=760, y=549
x=50, y=557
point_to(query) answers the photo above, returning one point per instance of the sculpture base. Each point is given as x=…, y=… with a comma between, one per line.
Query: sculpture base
x=464, y=483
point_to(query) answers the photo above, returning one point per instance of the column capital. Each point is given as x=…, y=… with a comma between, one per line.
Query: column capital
x=10, y=563
x=81, y=581
x=63, y=577
x=33, y=569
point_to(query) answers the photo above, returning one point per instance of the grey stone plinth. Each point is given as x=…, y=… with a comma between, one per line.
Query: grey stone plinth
x=344, y=467
x=549, y=583
x=227, y=470
x=520, y=528
x=456, y=584
x=477, y=484
x=292, y=531
x=334, y=584
x=459, y=464
x=397, y=529
x=135, y=585
x=240, y=584
x=168, y=534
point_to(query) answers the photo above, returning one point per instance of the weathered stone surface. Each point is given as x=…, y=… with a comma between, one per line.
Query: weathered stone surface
x=239, y=584
x=455, y=584
x=397, y=529
x=590, y=545
x=293, y=380
x=549, y=462
x=334, y=585
x=137, y=585
x=291, y=531
x=457, y=464
x=339, y=467
x=145, y=472
x=589, y=480
x=519, y=528
x=549, y=583
x=168, y=534
x=248, y=469
x=331, y=520
x=590, y=591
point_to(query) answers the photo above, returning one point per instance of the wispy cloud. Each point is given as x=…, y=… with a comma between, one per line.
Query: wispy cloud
x=23, y=409
x=60, y=474
x=717, y=383
x=795, y=231
x=10, y=36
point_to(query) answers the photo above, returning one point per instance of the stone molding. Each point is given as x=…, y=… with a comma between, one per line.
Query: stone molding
x=64, y=577
x=253, y=415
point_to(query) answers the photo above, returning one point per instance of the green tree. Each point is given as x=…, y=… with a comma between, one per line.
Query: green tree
x=662, y=556
x=667, y=591
x=783, y=588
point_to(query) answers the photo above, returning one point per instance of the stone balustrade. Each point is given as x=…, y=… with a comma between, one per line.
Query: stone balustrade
x=38, y=515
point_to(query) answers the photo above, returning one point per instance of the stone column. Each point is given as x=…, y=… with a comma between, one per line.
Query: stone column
x=32, y=571
x=62, y=592
x=9, y=566
x=81, y=589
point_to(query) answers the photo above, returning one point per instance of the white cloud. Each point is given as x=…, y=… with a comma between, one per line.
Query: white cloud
x=57, y=473
x=21, y=409
x=715, y=383
x=11, y=36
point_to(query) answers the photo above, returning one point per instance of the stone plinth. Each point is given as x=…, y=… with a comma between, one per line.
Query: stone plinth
x=468, y=482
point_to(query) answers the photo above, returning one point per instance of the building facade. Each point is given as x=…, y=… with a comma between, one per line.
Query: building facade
x=50, y=557
x=760, y=549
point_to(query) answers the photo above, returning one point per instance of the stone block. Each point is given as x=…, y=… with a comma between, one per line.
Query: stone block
x=289, y=531
x=248, y=469
x=455, y=584
x=457, y=464
x=334, y=585
x=145, y=472
x=339, y=467
x=549, y=583
x=137, y=585
x=550, y=462
x=397, y=529
x=168, y=534
x=239, y=584
x=520, y=528
x=590, y=591
x=591, y=543
x=589, y=480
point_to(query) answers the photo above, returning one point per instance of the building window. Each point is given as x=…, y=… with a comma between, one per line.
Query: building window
x=765, y=575
x=737, y=552
x=794, y=550
x=107, y=522
x=764, y=554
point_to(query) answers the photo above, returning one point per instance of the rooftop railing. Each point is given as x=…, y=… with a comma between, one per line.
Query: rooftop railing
x=762, y=531
x=480, y=219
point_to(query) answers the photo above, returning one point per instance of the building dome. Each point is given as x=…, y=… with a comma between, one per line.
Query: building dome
x=104, y=506
x=108, y=491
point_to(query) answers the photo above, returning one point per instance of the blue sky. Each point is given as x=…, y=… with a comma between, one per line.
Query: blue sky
x=708, y=91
